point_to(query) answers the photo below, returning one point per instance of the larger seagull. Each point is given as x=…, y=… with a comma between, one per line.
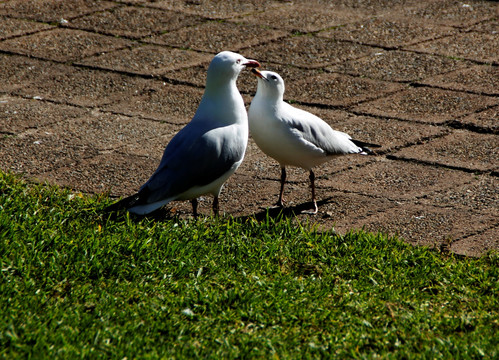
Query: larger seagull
x=293, y=136
x=207, y=151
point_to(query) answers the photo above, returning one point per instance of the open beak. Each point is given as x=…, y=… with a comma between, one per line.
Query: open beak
x=259, y=74
x=252, y=64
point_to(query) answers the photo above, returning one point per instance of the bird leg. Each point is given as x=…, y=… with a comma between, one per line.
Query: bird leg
x=312, y=185
x=280, y=202
x=215, y=206
x=194, y=203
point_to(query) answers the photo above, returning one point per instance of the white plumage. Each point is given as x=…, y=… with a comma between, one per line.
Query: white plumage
x=292, y=136
x=207, y=151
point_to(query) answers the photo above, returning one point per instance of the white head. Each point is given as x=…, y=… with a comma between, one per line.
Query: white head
x=226, y=66
x=270, y=84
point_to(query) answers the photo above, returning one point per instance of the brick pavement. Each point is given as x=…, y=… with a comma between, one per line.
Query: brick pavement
x=92, y=91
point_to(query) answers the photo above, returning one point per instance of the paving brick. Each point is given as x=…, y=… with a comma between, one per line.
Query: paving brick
x=175, y=104
x=152, y=147
x=146, y=60
x=134, y=22
x=340, y=208
x=79, y=86
x=119, y=174
x=427, y=105
x=309, y=51
x=480, y=195
x=370, y=8
x=52, y=10
x=461, y=148
x=263, y=173
x=62, y=44
x=470, y=45
x=339, y=90
x=403, y=66
x=487, y=120
x=216, y=36
x=106, y=132
x=453, y=12
x=242, y=194
x=478, y=244
x=19, y=71
x=482, y=79
x=16, y=27
x=426, y=225
x=19, y=114
x=35, y=152
x=216, y=9
x=290, y=17
x=387, y=33
x=397, y=180
x=489, y=26
x=388, y=133
x=336, y=209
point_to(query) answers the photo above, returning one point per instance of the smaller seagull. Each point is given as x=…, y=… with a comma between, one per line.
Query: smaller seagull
x=293, y=136
x=207, y=151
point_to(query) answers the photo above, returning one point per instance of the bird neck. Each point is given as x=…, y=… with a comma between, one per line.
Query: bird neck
x=216, y=80
x=224, y=99
x=271, y=97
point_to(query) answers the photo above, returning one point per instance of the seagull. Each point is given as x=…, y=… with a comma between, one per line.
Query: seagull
x=207, y=151
x=293, y=136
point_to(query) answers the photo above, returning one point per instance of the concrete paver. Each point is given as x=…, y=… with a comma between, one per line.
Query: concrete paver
x=374, y=32
x=342, y=90
x=474, y=46
x=397, y=180
x=310, y=51
x=91, y=92
x=146, y=60
x=427, y=104
x=461, y=148
x=479, y=79
x=62, y=45
x=19, y=114
x=68, y=84
x=10, y=27
x=486, y=121
x=133, y=22
x=453, y=12
x=213, y=35
x=52, y=10
x=400, y=66
x=160, y=101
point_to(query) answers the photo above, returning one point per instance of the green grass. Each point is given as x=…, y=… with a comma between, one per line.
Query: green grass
x=76, y=284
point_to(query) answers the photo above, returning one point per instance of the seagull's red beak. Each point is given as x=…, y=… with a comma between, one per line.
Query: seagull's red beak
x=252, y=64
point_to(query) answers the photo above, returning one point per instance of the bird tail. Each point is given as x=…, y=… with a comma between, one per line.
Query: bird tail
x=366, y=147
x=124, y=204
x=138, y=203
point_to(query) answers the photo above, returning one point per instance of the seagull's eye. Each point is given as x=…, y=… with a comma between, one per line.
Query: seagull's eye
x=238, y=61
x=273, y=77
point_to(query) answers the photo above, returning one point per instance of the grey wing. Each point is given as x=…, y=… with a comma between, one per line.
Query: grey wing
x=194, y=157
x=317, y=133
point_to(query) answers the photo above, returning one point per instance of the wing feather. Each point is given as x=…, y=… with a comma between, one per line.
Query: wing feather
x=194, y=157
x=316, y=134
